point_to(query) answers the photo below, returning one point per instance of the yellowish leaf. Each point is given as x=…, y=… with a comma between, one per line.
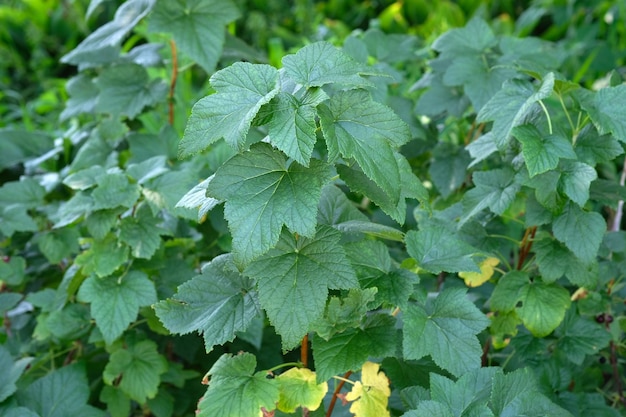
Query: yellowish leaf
x=298, y=388
x=476, y=279
x=371, y=394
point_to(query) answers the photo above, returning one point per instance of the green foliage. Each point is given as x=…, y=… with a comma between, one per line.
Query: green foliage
x=414, y=208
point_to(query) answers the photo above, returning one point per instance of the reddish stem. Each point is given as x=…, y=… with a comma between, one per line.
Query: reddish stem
x=173, y=81
x=304, y=351
x=526, y=245
x=334, y=399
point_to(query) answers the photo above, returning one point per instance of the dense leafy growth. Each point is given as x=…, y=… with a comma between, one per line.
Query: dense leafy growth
x=372, y=209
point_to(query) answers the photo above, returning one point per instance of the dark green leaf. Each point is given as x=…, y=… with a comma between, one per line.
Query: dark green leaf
x=141, y=233
x=576, y=179
x=103, y=257
x=294, y=278
x=574, y=224
x=263, y=192
x=218, y=303
x=606, y=108
x=592, y=148
x=197, y=26
x=140, y=367
x=115, y=302
x=235, y=390
x=11, y=372
x=555, y=260
x=350, y=349
x=241, y=90
x=542, y=153
x=446, y=330
x=114, y=190
x=579, y=337
x=512, y=104
x=436, y=249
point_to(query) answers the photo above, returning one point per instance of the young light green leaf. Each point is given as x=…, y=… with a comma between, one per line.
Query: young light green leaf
x=197, y=26
x=218, y=303
x=241, y=90
x=541, y=306
x=292, y=127
x=581, y=231
x=446, y=330
x=125, y=89
x=606, y=108
x=139, y=367
x=99, y=45
x=511, y=105
x=321, y=63
x=298, y=388
x=344, y=313
x=115, y=302
x=103, y=257
x=357, y=127
x=236, y=391
x=349, y=350
x=294, y=278
x=576, y=178
x=437, y=249
x=263, y=193
x=542, y=153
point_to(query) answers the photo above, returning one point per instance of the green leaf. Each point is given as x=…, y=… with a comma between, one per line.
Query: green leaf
x=606, y=108
x=11, y=372
x=241, y=90
x=61, y=393
x=83, y=94
x=357, y=127
x=579, y=337
x=542, y=153
x=218, y=303
x=495, y=189
x=448, y=170
x=141, y=233
x=139, y=366
x=292, y=127
x=13, y=271
x=105, y=41
x=575, y=223
x=445, y=328
x=335, y=208
x=468, y=395
x=235, y=390
x=436, y=249
x=14, y=218
x=100, y=222
x=294, y=278
x=298, y=388
x=516, y=394
x=197, y=26
x=373, y=267
x=59, y=244
x=118, y=403
x=125, y=89
x=592, y=148
x=541, y=306
x=103, y=257
x=84, y=178
x=472, y=39
x=511, y=105
x=344, y=313
x=262, y=193
x=26, y=193
x=114, y=190
x=576, y=179
x=348, y=351
x=555, y=260
x=321, y=63
x=115, y=302
x=196, y=198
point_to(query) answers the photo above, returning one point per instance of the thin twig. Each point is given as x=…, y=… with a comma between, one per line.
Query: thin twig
x=170, y=97
x=617, y=220
x=304, y=351
x=331, y=406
